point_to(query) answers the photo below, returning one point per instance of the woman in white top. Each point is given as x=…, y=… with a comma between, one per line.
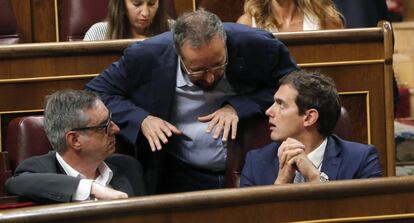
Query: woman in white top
x=291, y=15
x=130, y=19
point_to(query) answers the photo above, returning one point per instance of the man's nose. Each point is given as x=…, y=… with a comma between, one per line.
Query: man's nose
x=269, y=111
x=209, y=77
x=114, y=128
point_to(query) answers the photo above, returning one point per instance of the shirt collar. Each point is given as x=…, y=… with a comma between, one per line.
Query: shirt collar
x=316, y=156
x=105, y=173
x=182, y=79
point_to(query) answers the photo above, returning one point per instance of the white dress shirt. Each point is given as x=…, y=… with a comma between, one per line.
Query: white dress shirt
x=83, y=190
x=316, y=157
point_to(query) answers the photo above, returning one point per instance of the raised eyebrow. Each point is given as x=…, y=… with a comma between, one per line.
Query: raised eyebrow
x=105, y=121
x=279, y=101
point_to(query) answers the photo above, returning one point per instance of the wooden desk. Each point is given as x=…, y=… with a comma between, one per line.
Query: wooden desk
x=339, y=199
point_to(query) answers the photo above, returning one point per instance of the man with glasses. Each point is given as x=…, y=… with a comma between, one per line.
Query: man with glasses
x=182, y=94
x=82, y=165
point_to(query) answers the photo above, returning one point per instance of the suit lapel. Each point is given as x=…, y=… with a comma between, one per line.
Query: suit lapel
x=55, y=166
x=163, y=86
x=275, y=165
x=269, y=168
x=120, y=181
x=331, y=159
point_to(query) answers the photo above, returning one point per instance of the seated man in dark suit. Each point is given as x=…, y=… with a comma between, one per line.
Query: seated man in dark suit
x=83, y=166
x=305, y=111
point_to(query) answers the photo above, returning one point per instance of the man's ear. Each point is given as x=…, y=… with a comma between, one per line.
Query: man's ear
x=72, y=140
x=311, y=117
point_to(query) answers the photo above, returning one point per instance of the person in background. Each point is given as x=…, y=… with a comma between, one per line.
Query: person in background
x=291, y=15
x=366, y=13
x=82, y=165
x=131, y=19
x=178, y=97
x=306, y=109
x=395, y=10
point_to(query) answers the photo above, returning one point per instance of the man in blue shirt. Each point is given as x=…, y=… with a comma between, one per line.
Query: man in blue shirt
x=182, y=94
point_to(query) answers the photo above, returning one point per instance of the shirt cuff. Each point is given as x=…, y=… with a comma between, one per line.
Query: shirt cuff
x=83, y=191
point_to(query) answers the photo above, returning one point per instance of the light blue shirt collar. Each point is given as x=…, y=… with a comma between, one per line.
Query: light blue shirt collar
x=182, y=79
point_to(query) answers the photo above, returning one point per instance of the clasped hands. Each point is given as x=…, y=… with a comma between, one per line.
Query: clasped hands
x=292, y=157
x=224, y=120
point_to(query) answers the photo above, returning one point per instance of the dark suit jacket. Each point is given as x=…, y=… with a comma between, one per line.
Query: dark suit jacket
x=362, y=13
x=342, y=160
x=366, y=13
x=143, y=82
x=42, y=178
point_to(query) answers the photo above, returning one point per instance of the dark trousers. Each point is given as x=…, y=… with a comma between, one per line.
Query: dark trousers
x=181, y=177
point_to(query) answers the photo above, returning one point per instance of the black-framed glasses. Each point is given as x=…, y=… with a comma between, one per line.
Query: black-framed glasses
x=105, y=126
x=216, y=70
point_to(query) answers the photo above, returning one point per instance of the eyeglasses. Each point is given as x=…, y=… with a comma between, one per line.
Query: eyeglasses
x=104, y=127
x=216, y=70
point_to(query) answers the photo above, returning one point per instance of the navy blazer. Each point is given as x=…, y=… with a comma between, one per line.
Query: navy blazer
x=143, y=82
x=365, y=13
x=342, y=160
x=42, y=178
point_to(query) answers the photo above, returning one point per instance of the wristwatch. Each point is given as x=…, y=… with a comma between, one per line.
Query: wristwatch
x=323, y=177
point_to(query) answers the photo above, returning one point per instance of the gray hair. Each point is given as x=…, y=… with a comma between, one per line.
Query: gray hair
x=64, y=111
x=198, y=28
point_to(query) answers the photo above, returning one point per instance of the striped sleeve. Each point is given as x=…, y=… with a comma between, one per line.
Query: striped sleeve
x=96, y=32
